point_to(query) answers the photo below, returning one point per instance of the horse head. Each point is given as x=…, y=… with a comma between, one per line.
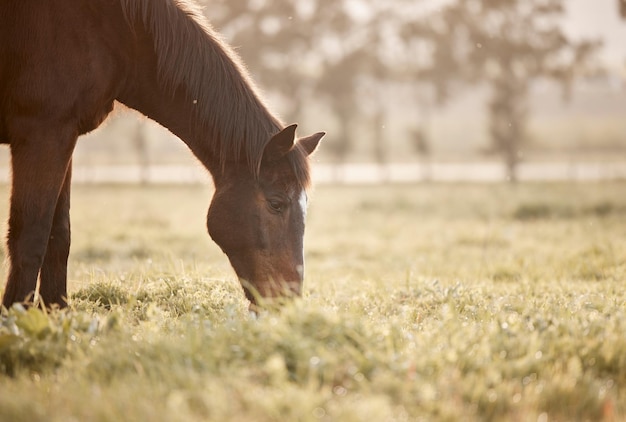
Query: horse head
x=258, y=219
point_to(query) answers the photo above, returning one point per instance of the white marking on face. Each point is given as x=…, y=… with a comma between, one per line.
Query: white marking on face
x=303, y=201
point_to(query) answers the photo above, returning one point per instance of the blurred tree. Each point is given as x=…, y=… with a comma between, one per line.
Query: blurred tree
x=508, y=44
x=421, y=144
x=276, y=41
x=139, y=142
x=622, y=8
x=321, y=49
x=352, y=56
x=432, y=70
x=347, y=42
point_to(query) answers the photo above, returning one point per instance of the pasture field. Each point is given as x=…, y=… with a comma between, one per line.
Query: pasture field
x=422, y=302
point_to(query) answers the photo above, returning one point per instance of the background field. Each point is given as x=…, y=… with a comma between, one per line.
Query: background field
x=431, y=301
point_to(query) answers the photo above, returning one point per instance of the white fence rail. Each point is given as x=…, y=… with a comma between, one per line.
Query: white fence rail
x=366, y=173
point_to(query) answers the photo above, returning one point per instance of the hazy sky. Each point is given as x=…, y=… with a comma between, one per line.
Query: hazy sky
x=599, y=18
x=586, y=18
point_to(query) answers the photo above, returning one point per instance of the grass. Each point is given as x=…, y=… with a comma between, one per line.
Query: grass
x=422, y=302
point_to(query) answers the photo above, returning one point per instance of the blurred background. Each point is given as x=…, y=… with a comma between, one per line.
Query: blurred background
x=413, y=90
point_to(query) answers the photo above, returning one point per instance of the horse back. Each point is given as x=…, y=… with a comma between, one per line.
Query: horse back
x=61, y=62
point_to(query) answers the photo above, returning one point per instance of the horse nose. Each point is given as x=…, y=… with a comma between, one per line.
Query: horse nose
x=295, y=284
x=294, y=288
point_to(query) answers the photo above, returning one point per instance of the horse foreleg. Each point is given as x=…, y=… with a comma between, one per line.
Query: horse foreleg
x=53, y=276
x=39, y=168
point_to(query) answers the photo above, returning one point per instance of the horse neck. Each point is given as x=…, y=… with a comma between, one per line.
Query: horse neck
x=209, y=103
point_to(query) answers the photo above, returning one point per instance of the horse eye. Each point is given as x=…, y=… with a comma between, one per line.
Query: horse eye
x=276, y=206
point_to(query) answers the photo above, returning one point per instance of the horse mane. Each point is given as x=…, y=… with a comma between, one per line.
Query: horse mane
x=228, y=106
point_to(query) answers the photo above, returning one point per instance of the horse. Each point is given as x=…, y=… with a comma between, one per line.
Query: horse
x=63, y=65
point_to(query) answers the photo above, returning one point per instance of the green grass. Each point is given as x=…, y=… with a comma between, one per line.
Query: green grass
x=422, y=302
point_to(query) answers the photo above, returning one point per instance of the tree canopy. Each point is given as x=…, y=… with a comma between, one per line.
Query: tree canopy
x=350, y=56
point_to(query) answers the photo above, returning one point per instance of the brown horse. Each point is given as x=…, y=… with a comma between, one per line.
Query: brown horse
x=63, y=63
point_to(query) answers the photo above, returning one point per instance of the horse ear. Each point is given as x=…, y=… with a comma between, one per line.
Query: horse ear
x=309, y=143
x=280, y=144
